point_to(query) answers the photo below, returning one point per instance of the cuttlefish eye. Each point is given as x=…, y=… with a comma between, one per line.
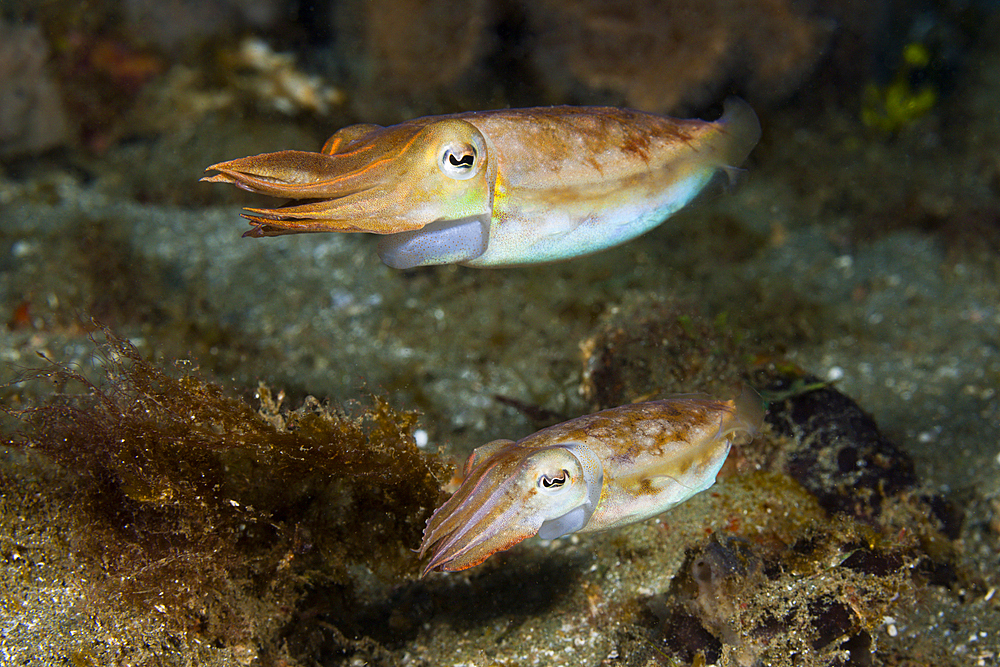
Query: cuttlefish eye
x=553, y=484
x=459, y=161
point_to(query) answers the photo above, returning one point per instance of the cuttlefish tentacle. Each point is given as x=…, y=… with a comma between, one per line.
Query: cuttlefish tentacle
x=595, y=472
x=369, y=179
x=487, y=517
x=496, y=188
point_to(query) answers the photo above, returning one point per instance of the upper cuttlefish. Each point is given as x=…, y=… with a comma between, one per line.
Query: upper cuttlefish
x=496, y=188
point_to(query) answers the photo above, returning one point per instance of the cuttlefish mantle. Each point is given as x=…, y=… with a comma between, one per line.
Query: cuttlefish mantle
x=496, y=188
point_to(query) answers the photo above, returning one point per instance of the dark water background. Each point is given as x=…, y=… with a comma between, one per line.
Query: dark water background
x=863, y=246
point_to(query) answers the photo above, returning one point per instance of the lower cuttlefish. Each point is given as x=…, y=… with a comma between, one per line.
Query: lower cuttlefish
x=496, y=188
x=599, y=471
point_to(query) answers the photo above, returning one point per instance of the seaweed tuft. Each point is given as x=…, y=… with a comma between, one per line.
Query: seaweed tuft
x=189, y=502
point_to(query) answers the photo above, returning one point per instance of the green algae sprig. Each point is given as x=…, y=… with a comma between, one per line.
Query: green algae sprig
x=185, y=495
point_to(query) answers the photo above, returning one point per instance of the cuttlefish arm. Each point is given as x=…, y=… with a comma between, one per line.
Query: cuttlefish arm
x=595, y=472
x=496, y=188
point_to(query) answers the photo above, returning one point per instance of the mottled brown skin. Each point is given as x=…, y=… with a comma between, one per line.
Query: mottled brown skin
x=538, y=157
x=639, y=443
x=649, y=457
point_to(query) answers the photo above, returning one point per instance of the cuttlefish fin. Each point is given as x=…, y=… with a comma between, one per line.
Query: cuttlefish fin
x=741, y=128
x=739, y=132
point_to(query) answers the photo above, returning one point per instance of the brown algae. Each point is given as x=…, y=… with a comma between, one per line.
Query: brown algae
x=186, y=500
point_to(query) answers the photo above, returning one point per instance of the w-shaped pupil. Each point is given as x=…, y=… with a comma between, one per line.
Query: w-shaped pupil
x=464, y=161
x=552, y=482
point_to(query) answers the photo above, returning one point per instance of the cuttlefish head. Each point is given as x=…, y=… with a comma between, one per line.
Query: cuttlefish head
x=382, y=180
x=509, y=494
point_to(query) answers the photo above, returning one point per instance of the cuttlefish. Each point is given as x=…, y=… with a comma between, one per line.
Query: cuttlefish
x=496, y=188
x=591, y=473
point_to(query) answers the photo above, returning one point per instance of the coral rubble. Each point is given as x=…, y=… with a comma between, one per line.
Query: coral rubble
x=655, y=347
